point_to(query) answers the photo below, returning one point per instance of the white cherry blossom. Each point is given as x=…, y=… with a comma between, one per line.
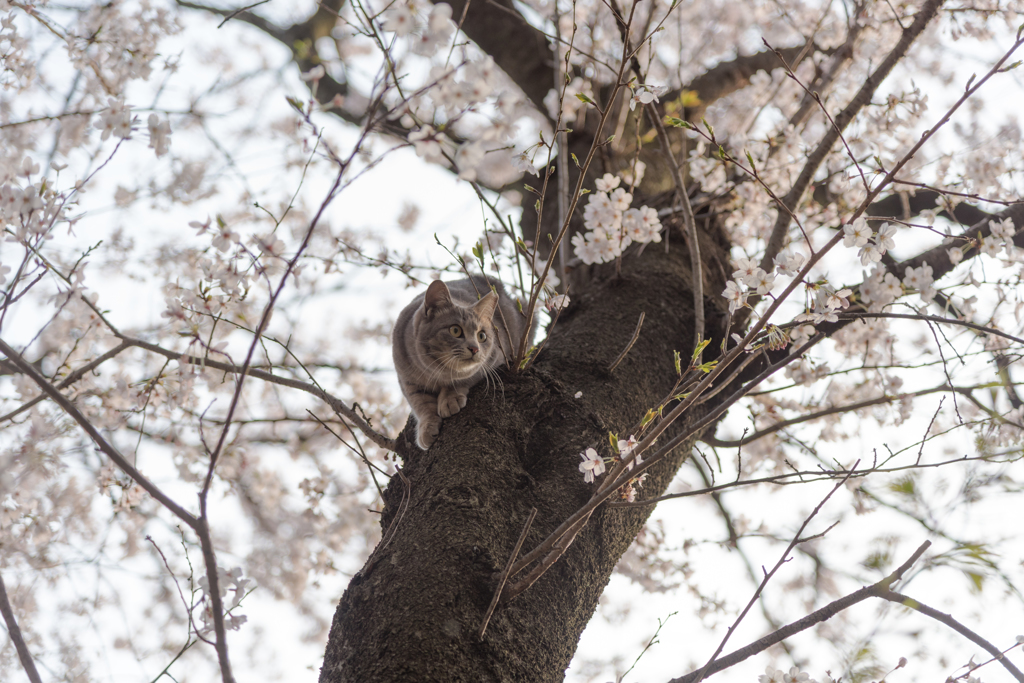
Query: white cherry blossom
x=592, y=465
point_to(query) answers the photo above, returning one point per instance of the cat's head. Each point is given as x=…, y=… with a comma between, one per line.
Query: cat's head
x=459, y=339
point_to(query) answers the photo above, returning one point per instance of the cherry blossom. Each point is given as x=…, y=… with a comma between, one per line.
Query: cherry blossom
x=467, y=158
x=557, y=303
x=734, y=295
x=400, y=19
x=606, y=183
x=643, y=94
x=789, y=263
x=746, y=270
x=763, y=282
x=592, y=465
x=425, y=140
x=857, y=233
x=884, y=237
x=159, y=134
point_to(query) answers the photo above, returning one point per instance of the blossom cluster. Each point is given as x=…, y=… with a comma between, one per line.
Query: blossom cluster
x=612, y=225
x=30, y=211
x=827, y=300
x=456, y=91
x=872, y=247
x=794, y=675
x=593, y=465
x=1000, y=239
x=750, y=275
x=226, y=580
x=405, y=19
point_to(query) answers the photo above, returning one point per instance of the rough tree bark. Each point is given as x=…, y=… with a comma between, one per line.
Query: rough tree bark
x=413, y=612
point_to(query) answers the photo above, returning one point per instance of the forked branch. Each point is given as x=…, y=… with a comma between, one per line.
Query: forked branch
x=812, y=619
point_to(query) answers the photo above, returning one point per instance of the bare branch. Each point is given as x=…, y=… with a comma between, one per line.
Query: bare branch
x=767, y=577
x=632, y=340
x=932, y=318
x=508, y=567
x=816, y=617
x=15, y=632
x=949, y=621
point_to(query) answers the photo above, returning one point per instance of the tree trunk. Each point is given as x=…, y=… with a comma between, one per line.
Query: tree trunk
x=414, y=611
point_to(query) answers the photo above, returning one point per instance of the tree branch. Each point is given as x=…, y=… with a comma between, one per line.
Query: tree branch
x=816, y=617
x=938, y=257
x=949, y=621
x=727, y=77
x=105, y=446
x=518, y=49
x=336, y=404
x=72, y=377
x=768, y=576
x=19, y=642
x=859, y=101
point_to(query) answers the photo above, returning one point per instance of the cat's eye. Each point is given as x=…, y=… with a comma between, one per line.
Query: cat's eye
x=455, y=330
x=482, y=336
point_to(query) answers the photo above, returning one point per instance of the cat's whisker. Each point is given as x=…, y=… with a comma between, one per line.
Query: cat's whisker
x=493, y=372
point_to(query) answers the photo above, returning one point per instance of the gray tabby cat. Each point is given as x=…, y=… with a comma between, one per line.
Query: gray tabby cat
x=448, y=339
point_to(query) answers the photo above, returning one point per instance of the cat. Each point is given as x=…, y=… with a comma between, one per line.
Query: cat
x=448, y=339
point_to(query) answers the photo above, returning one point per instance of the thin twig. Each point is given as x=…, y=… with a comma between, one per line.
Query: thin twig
x=689, y=223
x=73, y=377
x=782, y=424
x=68, y=407
x=636, y=335
x=558, y=549
x=816, y=617
x=19, y=642
x=369, y=465
x=188, y=610
x=860, y=100
x=240, y=10
x=392, y=529
x=801, y=477
x=337, y=405
x=949, y=621
x=504, y=573
x=768, y=576
x=847, y=315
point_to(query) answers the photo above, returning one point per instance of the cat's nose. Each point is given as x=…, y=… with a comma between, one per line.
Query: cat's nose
x=474, y=350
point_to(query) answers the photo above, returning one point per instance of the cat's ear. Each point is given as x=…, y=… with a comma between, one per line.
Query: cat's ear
x=485, y=307
x=437, y=296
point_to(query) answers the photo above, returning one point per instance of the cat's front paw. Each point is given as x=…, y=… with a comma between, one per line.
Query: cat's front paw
x=450, y=402
x=427, y=430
